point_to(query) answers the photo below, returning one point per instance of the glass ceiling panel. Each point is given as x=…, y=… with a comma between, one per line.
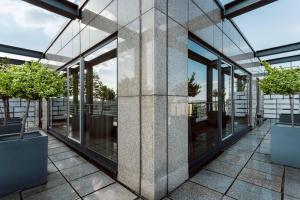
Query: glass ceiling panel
x=76, y=1
x=27, y=26
x=272, y=25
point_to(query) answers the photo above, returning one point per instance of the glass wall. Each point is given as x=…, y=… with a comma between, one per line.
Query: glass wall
x=226, y=99
x=74, y=102
x=58, y=111
x=203, y=97
x=87, y=112
x=241, y=100
x=101, y=103
x=218, y=101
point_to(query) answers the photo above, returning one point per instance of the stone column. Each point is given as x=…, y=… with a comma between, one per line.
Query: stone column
x=152, y=93
x=45, y=114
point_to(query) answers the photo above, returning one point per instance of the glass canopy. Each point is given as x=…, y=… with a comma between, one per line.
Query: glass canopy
x=28, y=26
x=272, y=25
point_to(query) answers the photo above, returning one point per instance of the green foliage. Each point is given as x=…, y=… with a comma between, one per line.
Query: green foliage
x=33, y=81
x=193, y=88
x=5, y=82
x=103, y=92
x=284, y=81
x=241, y=85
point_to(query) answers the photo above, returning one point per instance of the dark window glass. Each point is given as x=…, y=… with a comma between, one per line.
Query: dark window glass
x=101, y=114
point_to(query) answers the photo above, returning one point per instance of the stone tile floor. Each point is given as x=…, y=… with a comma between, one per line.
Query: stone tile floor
x=71, y=177
x=243, y=172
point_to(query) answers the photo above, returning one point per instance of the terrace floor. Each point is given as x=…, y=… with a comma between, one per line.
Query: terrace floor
x=243, y=171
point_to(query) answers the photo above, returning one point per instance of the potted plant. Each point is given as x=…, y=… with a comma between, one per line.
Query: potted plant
x=23, y=156
x=284, y=138
x=7, y=124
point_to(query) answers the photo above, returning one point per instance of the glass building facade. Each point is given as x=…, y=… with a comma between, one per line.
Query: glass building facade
x=154, y=89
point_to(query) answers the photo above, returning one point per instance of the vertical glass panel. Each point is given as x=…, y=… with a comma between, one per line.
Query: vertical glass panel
x=226, y=92
x=74, y=102
x=58, y=111
x=101, y=104
x=241, y=100
x=203, y=97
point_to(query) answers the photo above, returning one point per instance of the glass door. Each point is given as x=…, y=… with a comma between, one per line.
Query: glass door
x=226, y=100
x=203, y=101
x=74, y=102
x=100, y=107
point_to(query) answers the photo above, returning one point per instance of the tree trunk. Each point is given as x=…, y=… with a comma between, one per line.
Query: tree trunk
x=291, y=97
x=25, y=119
x=5, y=101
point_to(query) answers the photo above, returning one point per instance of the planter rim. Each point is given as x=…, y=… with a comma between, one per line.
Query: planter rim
x=42, y=134
x=278, y=124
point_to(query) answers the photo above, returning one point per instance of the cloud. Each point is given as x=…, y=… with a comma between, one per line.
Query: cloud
x=24, y=17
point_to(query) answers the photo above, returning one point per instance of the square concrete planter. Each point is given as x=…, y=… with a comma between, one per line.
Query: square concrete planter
x=285, y=145
x=23, y=163
x=13, y=125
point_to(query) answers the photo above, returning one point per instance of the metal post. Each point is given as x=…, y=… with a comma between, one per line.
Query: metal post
x=81, y=107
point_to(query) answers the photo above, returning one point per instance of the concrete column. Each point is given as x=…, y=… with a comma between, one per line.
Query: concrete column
x=45, y=114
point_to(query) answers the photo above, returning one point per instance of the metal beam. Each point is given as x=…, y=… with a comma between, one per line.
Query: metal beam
x=21, y=51
x=279, y=49
x=61, y=7
x=14, y=61
x=236, y=8
x=284, y=59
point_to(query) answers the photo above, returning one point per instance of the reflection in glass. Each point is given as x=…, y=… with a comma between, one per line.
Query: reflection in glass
x=241, y=100
x=101, y=107
x=74, y=102
x=203, y=100
x=58, y=112
x=226, y=93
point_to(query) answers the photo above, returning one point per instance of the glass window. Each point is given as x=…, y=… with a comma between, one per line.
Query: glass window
x=74, y=102
x=226, y=96
x=101, y=113
x=241, y=100
x=58, y=111
x=203, y=97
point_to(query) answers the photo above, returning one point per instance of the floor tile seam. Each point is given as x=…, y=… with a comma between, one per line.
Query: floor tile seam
x=85, y=161
x=242, y=169
x=114, y=182
x=64, y=158
x=219, y=172
x=60, y=152
x=262, y=186
x=205, y=187
x=282, y=184
x=62, y=145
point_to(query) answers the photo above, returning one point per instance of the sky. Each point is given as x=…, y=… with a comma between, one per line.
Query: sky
x=27, y=26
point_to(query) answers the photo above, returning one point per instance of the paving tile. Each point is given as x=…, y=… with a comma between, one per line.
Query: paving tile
x=265, y=149
x=70, y=162
x=91, y=183
x=292, y=173
x=63, y=156
x=55, y=145
x=265, y=167
x=292, y=187
x=262, y=179
x=53, y=141
x=227, y=198
x=287, y=197
x=112, y=192
x=54, y=180
x=63, y=192
x=53, y=151
x=247, y=191
x=262, y=157
x=224, y=168
x=79, y=171
x=213, y=180
x=51, y=168
x=235, y=159
x=193, y=191
x=13, y=196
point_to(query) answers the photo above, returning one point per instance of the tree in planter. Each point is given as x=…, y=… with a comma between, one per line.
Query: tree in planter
x=34, y=81
x=283, y=81
x=5, y=87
